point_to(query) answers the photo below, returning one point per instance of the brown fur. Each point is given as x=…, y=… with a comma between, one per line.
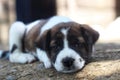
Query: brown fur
x=32, y=35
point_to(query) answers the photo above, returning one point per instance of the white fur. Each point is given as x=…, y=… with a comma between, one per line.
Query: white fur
x=42, y=56
x=68, y=52
x=16, y=33
x=20, y=57
x=53, y=21
x=31, y=25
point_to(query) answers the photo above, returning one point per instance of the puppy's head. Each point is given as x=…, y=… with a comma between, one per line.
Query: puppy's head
x=69, y=46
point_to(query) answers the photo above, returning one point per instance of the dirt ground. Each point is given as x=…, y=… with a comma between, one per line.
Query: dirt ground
x=105, y=65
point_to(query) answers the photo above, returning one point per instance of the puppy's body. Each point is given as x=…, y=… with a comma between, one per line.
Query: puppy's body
x=57, y=42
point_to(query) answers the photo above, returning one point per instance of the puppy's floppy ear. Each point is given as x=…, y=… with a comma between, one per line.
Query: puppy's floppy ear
x=43, y=41
x=89, y=34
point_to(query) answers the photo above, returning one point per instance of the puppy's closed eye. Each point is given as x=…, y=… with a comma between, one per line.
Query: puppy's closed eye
x=55, y=47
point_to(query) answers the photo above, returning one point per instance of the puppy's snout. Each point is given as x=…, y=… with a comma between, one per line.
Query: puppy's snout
x=68, y=62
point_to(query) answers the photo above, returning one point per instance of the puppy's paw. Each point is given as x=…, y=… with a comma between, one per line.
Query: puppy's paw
x=43, y=57
x=29, y=58
x=47, y=64
x=21, y=58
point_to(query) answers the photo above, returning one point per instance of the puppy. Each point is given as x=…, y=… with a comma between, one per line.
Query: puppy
x=58, y=42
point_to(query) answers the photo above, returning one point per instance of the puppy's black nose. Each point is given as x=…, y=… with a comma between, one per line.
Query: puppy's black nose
x=68, y=62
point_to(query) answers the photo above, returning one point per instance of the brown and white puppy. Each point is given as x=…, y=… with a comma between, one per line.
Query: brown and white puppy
x=57, y=42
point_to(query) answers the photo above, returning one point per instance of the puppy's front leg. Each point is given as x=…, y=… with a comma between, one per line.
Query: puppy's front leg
x=43, y=57
x=20, y=57
x=16, y=34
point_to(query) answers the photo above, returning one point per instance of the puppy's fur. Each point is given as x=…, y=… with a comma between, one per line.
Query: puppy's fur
x=58, y=42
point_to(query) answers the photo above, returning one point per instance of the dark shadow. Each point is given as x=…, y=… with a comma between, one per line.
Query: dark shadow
x=30, y=10
x=117, y=7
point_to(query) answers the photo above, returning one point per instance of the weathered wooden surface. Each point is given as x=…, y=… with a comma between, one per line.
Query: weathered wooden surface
x=104, y=66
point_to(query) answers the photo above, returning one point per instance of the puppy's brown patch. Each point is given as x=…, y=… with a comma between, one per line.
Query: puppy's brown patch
x=32, y=35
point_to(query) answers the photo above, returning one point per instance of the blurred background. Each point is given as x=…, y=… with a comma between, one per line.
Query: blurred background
x=100, y=14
